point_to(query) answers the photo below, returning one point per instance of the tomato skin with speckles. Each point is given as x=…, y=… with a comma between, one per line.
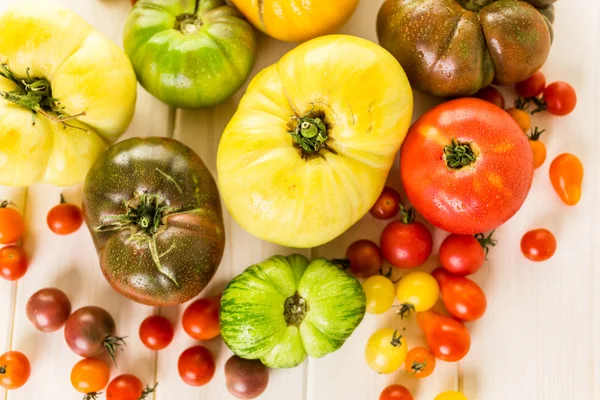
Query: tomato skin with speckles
x=479, y=194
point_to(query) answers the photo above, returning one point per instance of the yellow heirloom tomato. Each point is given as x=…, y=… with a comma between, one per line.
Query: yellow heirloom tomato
x=297, y=20
x=309, y=149
x=65, y=92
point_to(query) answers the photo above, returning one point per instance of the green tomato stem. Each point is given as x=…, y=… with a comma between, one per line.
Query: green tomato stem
x=458, y=155
x=294, y=310
x=486, y=241
x=309, y=134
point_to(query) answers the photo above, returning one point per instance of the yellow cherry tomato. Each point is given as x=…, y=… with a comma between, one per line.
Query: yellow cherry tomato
x=451, y=395
x=417, y=291
x=386, y=351
x=379, y=291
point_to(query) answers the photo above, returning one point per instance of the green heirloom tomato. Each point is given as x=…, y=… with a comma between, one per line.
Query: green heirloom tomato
x=285, y=308
x=154, y=213
x=189, y=53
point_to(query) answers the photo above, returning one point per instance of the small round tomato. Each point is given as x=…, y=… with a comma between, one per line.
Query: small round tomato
x=201, y=318
x=491, y=95
x=560, y=98
x=64, y=218
x=90, y=376
x=395, y=392
x=379, y=291
x=11, y=224
x=386, y=351
x=406, y=243
x=365, y=258
x=127, y=387
x=448, y=339
x=537, y=147
x=532, y=86
x=417, y=291
x=14, y=370
x=464, y=254
x=451, y=395
x=196, y=366
x=521, y=117
x=566, y=175
x=13, y=262
x=462, y=297
x=387, y=205
x=419, y=363
x=156, y=332
x=538, y=244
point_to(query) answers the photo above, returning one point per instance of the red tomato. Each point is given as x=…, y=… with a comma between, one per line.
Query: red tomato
x=196, y=366
x=11, y=224
x=201, y=318
x=14, y=370
x=13, y=262
x=566, y=175
x=64, y=218
x=448, y=339
x=406, y=244
x=156, y=332
x=387, y=205
x=127, y=387
x=532, y=86
x=365, y=258
x=462, y=297
x=560, y=98
x=491, y=95
x=538, y=245
x=463, y=254
x=466, y=166
x=395, y=392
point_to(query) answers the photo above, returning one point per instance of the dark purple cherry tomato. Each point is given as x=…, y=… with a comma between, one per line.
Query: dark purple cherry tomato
x=365, y=258
x=48, y=309
x=246, y=379
x=387, y=205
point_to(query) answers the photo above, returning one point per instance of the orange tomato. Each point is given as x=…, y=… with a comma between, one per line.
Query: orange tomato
x=14, y=370
x=419, y=363
x=537, y=147
x=448, y=339
x=90, y=375
x=521, y=117
x=11, y=224
x=297, y=20
x=566, y=175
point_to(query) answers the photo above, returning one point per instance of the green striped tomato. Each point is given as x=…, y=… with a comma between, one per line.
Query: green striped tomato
x=285, y=308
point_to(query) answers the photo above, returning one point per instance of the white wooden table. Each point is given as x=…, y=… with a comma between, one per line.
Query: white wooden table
x=538, y=340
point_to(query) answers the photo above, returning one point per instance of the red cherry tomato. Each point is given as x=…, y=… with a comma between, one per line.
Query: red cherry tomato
x=464, y=254
x=64, y=218
x=201, y=318
x=566, y=175
x=448, y=339
x=365, y=258
x=560, y=98
x=462, y=297
x=196, y=366
x=538, y=244
x=11, y=224
x=406, y=243
x=419, y=363
x=127, y=387
x=532, y=86
x=13, y=262
x=395, y=392
x=387, y=205
x=491, y=95
x=156, y=332
x=14, y=370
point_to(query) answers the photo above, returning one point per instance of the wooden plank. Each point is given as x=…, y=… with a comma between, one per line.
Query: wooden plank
x=70, y=263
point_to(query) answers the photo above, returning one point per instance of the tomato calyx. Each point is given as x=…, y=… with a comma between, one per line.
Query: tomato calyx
x=458, y=155
x=310, y=134
x=418, y=367
x=396, y=339
x=407, y=215
x=486, y=241
x=535, y=134
x=523, y=103
x=92, y=396
x=148, y=391
x=2, y=369
x=405, y=310
x=35, y=94
x=112, y=343
x=294, y=310
x=5, y=203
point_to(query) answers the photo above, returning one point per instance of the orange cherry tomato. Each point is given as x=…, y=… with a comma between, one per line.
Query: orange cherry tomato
x=11, y=224
x=13, y=263
x=521, y=117
x=566, y=175
x=420, y=362
x=537, y=147
x=90, y=376
x=14, y=370
x=448, y=339
x=538, y=244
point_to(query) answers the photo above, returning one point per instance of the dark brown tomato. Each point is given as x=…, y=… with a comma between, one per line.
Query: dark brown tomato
x=48, y=309
x=90, y=331
x=365, y=258
x=246, y=379
x=155, y=216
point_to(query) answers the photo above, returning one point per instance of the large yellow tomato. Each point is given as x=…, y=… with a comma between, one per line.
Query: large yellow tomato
x=65, y=91
x=309, y=149
x=297, y=20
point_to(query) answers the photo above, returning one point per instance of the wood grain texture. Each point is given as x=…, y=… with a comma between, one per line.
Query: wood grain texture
x=538, y=340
